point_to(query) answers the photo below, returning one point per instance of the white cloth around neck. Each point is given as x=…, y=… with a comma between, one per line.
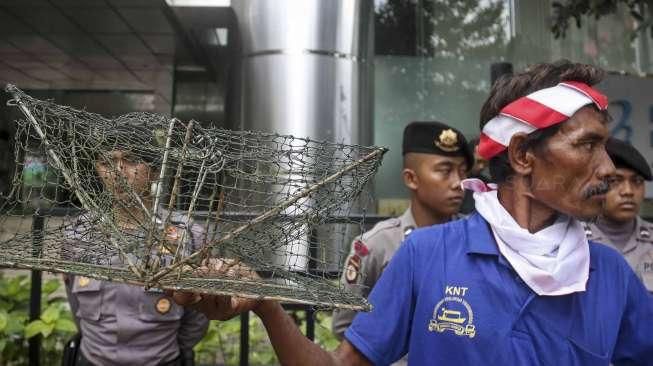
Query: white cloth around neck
x=553, y=261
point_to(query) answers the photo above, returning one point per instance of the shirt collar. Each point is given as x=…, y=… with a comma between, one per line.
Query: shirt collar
x=479, y=238
x=407, y=219
x=643, y=233
x=481, y=241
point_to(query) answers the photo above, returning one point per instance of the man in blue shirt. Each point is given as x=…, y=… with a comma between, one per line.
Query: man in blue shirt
x=516, y=283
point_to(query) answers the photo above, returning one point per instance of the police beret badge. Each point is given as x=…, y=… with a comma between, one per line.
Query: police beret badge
x=352, y=269
x=447, y=141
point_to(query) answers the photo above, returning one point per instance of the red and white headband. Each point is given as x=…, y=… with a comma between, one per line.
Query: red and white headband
x=538, y=110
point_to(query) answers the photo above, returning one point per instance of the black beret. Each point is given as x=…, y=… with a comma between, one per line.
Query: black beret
x=625, y=154
x=436, y=138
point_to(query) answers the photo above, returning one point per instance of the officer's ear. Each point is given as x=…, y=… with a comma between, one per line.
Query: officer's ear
x=410, y=179
x=409, y=174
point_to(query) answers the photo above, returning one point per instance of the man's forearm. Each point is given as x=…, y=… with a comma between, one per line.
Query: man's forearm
x=290, y=345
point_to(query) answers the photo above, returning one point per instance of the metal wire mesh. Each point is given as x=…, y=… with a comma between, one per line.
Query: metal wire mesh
x=159, y=198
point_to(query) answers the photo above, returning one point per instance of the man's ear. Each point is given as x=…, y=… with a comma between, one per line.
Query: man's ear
x=521, y=160
x=410, y=179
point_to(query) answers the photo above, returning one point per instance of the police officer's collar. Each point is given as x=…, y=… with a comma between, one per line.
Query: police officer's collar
x=643, y=233
x=407, y=220
x=635, y=230
x=480, y=240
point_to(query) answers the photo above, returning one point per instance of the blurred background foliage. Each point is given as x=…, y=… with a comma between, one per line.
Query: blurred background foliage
x=220, y=345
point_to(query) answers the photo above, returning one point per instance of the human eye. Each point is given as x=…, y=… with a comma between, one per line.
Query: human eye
x=614, y=180
x=445, y=170
x=588, y=145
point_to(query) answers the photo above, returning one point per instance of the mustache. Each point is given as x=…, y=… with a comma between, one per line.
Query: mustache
x=601, y=188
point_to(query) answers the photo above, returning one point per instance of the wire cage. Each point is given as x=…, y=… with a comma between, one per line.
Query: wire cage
x=157, y=202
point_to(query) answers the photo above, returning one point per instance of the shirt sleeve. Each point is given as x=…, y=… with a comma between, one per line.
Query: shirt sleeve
x=192, y=328
x=382, y=335
x=365, y=280
x=635, y=342
x=72, y=300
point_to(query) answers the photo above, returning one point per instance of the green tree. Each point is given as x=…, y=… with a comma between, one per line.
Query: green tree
x=434, y=56
x=567, y=11
x=452, y=29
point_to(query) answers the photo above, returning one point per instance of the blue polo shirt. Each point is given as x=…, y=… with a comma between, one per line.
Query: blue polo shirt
x=449, y=298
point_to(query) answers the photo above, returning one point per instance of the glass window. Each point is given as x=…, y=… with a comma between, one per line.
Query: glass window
x=433, y=61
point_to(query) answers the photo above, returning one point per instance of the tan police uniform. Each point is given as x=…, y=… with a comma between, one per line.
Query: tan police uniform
x=369, y=255
x=638, y=250
x=371, y=252
x=123, y=324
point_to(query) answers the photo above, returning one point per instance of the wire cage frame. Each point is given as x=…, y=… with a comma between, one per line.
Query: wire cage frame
x=275, y=209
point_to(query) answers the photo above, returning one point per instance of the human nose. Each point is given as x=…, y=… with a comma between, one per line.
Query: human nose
x=456, y=178
x=626, y=188
x=606, y=168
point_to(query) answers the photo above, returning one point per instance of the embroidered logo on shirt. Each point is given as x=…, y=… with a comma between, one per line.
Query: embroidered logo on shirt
x=453, y=313
x=352, y=268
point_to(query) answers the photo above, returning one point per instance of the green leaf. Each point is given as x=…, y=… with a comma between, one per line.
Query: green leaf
x=13, y=286
x=34, y=328
x=3, y=344
x=48, y=330
x=15, y=323
x=6, y=305
x=3, y=320
x=51, y=314
x=65, y=325
x=50, y=286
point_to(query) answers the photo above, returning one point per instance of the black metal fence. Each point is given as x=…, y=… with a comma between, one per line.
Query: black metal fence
x=38, y=232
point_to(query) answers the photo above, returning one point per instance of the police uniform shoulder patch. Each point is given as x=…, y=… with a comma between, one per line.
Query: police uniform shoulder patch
x=352, y=269
x=360, y=248
x=163, y=305
x=172, y=233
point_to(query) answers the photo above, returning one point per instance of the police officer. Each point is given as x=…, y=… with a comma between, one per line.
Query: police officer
x=123, y=324
x=436, y=159
x=620, y=226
